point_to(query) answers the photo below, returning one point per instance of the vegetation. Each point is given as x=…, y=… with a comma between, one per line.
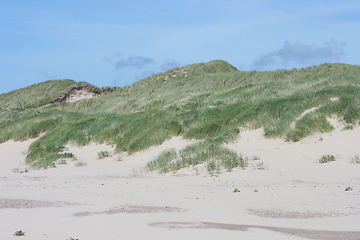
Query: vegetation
x=213, y=155
x=260, y=166
x=355, y=159
x=80, y=164
x=19, y=233
x=327, y=158
x=103, y=154
x=205, y=101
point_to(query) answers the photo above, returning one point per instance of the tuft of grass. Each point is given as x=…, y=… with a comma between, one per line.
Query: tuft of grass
x=349, y=127
x=355, y=159
x=326, y=158
x=213, y=167
x=80, y=164
x=348, y=189
x=19, y=233
x=103, y=154
x=46, y=161
x=163, y=162
x=236, y=190
x=213, y=155
x=309, y=124
x=19, y=170
x=260, y=166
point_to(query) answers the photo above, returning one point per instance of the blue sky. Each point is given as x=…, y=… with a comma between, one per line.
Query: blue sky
x=115, y=42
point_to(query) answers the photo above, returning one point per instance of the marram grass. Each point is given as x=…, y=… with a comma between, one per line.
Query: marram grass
x=215, y=157
x=206, y=101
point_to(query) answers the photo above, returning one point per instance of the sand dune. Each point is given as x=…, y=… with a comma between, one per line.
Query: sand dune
x=285, y=193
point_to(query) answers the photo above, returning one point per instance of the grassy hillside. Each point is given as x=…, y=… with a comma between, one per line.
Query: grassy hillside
x=207, y=101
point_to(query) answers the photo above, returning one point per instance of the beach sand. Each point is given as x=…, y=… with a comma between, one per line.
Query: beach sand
x=285, y=194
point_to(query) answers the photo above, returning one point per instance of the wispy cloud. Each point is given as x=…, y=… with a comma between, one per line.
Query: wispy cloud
x=46, y=76
x=121, y=61
x=110, y=59
x=134, y=61
x=144, y=74
x=169, y=64
x=302, y=53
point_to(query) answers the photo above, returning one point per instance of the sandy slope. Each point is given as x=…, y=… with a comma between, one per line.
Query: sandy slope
x=108, y=199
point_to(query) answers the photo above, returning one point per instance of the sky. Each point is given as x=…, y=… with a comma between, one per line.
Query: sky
x=117, y=42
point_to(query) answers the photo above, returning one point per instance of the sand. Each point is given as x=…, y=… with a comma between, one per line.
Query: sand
x=286, y=194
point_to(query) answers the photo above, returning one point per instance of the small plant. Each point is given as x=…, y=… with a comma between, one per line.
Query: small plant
x=348, y=127
x=355, y=159
x=256, y=157
x=348, y=189
x=61, y=162
x=213, y=167
x=103, y=154
x=196, y=170
x=19, y=233
x=19, y=170
x=256, y=190
x=80, y=164
x=236, y=190
x=327, y=158
x=260, y=166
x=72, y=238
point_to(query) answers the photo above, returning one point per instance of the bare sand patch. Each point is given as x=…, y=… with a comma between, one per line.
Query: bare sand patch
x=305, y=233
x=27, y=203
x=133, y=209
x=296, y=197
x=277, y=213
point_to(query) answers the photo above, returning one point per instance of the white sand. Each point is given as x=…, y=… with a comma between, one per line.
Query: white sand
x=109, y=199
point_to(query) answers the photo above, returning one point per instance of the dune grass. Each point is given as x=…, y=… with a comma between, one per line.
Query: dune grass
x=215, y=157
x=103, y=154
x=327, y=158
x=206, y=101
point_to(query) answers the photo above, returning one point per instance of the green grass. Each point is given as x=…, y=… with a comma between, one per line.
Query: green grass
x=103, y=154
x=355, y=159
x=205, y=101
x=80, y=164
x=215, y=157
x=309, y=124
x=19, y=233
x=327, y=158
